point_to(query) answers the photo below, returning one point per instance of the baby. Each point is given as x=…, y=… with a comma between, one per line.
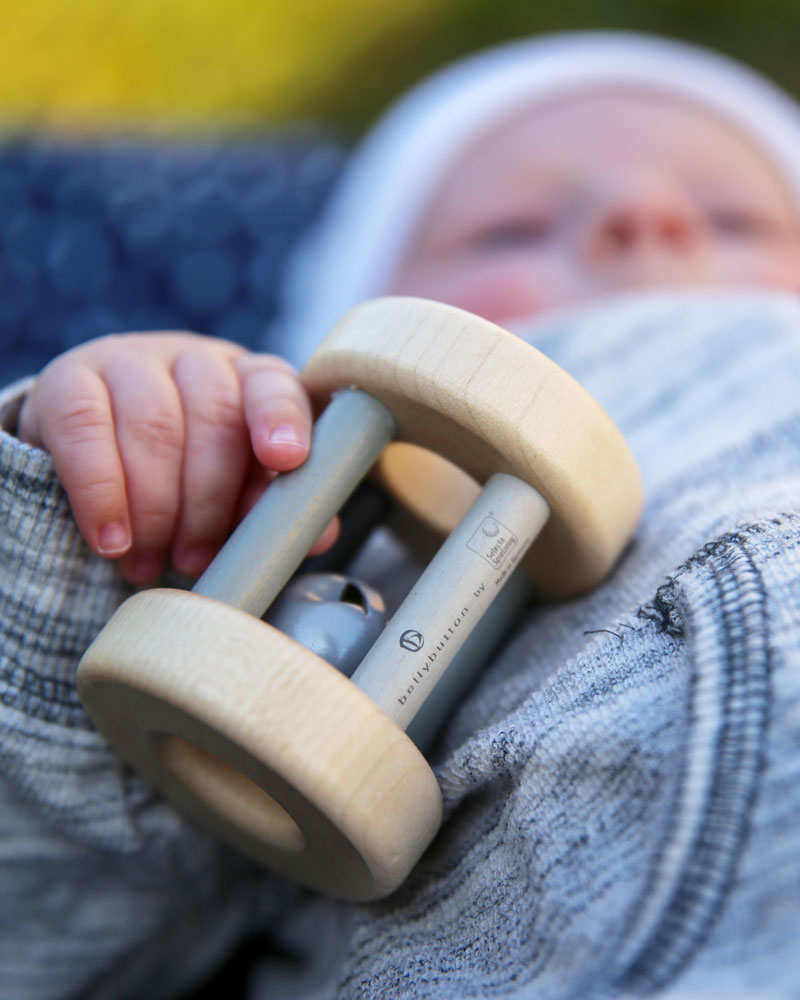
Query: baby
x=628, y=764
x=584, y=167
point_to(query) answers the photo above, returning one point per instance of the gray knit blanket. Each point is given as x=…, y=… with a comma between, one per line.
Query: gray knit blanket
x=622, y=787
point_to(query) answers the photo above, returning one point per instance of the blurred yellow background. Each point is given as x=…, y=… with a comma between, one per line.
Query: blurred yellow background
x=106, y=64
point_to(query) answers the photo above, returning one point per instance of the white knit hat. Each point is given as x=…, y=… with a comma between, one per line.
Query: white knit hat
x=353, y=252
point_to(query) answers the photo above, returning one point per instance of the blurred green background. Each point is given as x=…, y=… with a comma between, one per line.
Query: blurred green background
x=242, y=64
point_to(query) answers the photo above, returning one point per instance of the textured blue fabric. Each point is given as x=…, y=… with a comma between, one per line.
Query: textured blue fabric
x=111, y=236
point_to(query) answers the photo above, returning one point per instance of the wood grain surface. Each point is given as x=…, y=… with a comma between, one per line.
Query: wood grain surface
x=488, y=402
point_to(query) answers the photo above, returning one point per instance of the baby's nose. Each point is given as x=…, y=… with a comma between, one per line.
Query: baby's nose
x=644, y=215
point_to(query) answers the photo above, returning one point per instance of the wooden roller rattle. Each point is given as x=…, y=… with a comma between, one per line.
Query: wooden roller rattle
x=264, y=742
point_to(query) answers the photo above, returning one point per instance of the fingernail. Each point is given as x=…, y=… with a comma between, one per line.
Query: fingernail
x=288, y=434
x=113, y=539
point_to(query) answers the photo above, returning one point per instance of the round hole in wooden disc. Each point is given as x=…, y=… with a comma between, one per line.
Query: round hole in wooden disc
x=221, y=787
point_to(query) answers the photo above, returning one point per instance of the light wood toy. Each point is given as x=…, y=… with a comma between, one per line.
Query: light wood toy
x=303, y=769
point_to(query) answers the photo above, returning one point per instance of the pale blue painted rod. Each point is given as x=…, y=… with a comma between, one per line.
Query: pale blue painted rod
x=259, y=558
x=451, y=596
x=462, y=675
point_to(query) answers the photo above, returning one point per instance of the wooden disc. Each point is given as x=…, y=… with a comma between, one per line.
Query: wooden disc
x=262, y=742
x=488, y=402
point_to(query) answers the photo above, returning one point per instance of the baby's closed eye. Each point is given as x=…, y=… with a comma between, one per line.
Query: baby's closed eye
x=742, y=223
x=513, y=233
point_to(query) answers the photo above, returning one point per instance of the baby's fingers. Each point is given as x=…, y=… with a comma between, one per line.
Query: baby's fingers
x=150, y=436
x=216, y=455
x=277, y=411
x=69, y=414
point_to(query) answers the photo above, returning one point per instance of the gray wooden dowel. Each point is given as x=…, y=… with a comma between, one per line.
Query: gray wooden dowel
x=451, y=596
x=264, y=551
x=463, y=672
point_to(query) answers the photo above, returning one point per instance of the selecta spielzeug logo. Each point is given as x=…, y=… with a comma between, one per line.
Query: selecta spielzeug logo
x=493, y=541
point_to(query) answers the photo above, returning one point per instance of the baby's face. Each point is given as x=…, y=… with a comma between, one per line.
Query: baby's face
x=597, y=194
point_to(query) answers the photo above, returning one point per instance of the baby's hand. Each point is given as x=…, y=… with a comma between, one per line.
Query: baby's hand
x=162, y=441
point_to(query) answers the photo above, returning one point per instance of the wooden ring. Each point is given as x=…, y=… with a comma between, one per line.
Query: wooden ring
x=262, y=742
x=488, y=402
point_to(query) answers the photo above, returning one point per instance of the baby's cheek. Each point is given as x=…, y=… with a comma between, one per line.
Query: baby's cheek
x=503, y=293
x=780, y=269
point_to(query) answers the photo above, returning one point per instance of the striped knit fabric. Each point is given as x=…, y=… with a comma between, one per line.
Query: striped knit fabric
x=622, y=788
